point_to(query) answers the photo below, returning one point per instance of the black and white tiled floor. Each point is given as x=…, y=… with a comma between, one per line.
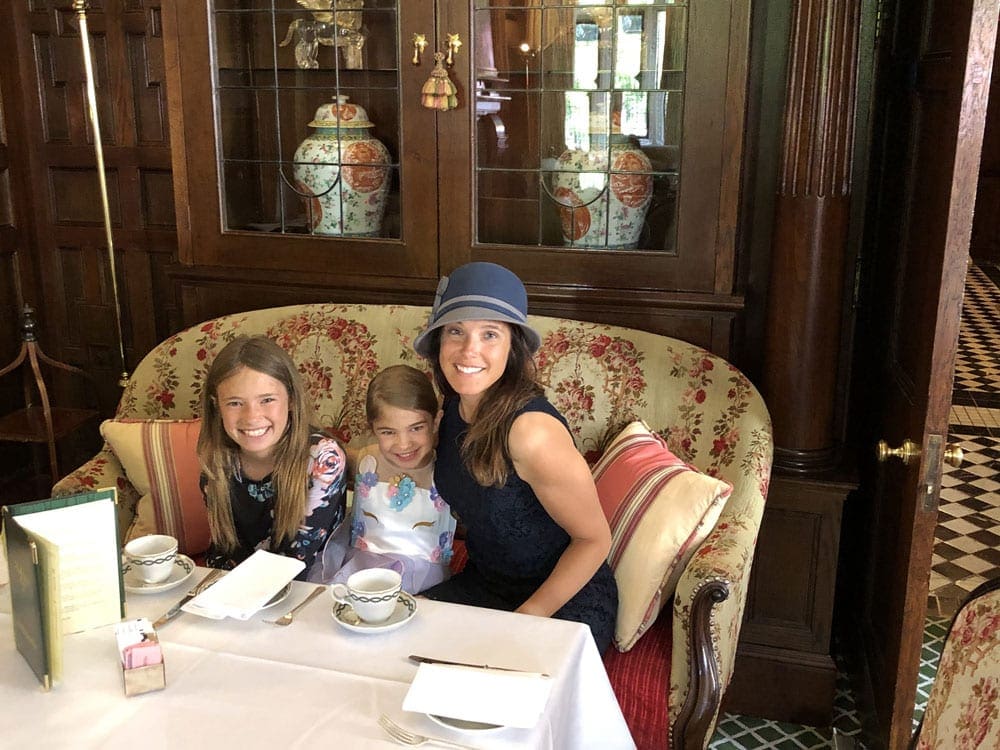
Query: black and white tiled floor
x=967, y=540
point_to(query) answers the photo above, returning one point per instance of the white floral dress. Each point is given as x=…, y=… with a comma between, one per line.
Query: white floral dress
x=399, y=521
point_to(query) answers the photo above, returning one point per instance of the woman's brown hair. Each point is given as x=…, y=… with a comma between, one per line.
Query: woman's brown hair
x=484, y=448
x=220, y=456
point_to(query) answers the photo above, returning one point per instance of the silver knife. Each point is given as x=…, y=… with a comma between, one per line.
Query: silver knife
x=432, y=660
x=175, y=610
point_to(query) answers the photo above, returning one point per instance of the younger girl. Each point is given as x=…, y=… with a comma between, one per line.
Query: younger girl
x=399, y=519
x=270, y=481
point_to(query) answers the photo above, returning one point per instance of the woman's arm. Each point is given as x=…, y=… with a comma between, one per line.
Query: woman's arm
x=545, y=457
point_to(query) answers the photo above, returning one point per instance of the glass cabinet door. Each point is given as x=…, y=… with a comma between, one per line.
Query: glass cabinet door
x=308, y=165
x=593, y=163
x=593, y=96
x=338, y=175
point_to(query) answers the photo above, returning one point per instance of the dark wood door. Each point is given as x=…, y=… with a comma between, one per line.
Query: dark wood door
x=934, y=67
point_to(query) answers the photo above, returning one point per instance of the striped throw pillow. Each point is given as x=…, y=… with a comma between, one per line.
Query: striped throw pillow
x=160, y=460
x=660, y=510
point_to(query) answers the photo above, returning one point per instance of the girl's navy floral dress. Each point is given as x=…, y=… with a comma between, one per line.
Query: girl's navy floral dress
x=253, y=510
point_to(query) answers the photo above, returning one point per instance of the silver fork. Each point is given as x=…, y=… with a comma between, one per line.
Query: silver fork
x=286, y=619
x=406, y=737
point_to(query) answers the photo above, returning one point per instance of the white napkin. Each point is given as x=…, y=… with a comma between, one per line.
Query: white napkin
x=247, y=587
x=493, y=696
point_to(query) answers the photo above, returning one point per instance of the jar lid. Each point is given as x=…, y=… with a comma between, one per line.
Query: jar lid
x=339, y=113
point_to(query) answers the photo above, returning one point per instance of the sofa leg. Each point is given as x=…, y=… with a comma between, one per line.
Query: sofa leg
x=704, y=697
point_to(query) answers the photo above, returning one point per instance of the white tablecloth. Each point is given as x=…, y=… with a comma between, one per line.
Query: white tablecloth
x=249, y=684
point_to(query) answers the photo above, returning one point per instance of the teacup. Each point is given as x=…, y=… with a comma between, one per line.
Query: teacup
x=371, y=592
x=152, y=556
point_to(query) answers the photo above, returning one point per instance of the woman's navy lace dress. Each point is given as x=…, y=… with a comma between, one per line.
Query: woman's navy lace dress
x=513, y=543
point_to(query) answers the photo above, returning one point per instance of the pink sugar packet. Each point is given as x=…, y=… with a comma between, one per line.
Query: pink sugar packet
x=138, y=643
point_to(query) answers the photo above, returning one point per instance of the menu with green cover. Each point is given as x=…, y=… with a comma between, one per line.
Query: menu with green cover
x=65, y=573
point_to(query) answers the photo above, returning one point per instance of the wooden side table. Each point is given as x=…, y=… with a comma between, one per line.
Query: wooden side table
x=41, y=422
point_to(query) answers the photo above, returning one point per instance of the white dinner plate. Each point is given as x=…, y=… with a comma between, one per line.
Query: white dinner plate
x=182, y=570
x=279, y=597
x=406, y=608
x=462, y=725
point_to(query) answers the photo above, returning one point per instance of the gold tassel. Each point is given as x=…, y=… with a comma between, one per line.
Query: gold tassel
x=439, y=92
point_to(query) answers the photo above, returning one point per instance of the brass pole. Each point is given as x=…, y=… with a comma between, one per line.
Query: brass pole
x=80, y=6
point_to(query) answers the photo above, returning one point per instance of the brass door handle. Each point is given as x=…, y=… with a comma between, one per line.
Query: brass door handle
x=906, y=452
x=953, y=454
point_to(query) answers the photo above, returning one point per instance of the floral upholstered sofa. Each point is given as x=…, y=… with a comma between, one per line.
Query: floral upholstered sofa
x=671, y=680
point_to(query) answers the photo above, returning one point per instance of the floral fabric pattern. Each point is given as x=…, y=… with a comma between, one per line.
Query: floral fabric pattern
x=253, y=510
x=601, y=377
x=963, y=711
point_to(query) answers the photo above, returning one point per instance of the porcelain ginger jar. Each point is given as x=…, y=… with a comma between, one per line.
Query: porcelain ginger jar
x=603, y=194
x=342, y=172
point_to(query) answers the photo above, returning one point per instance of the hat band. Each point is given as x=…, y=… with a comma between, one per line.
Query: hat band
x=480, y=300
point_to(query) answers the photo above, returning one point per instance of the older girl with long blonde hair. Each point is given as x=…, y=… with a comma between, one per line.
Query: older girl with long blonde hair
x=270, y=480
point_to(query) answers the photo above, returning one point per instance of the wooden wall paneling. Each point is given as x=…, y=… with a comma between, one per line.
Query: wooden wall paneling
x=72, y=253
x=17, y=263
x=783, y=666
x=207, y=292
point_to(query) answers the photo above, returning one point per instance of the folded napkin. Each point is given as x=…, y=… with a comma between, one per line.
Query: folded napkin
x=493, y=696
x=246, y=588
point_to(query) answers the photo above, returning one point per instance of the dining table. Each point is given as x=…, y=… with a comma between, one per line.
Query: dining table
x=313, y=683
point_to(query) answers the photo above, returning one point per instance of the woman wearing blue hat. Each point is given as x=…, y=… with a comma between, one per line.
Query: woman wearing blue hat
x=536, y=536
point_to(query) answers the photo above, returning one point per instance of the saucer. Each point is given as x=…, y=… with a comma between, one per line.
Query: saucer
x=182, y=570
x=406, y=608
x=462, y=725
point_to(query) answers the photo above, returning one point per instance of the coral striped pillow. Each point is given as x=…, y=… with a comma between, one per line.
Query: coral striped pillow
x=161, y=462
x=660, y=510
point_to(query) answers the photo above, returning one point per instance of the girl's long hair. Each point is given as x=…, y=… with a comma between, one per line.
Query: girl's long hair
x=484, y=449
x=219, y=455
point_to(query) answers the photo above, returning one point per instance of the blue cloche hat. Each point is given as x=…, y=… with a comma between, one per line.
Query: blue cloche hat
x=479, y=291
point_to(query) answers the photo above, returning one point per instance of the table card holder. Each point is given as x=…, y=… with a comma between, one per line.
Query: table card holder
x=140, y=680
x=142, y=664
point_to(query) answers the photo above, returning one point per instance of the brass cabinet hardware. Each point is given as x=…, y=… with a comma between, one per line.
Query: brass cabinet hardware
x=419, y=44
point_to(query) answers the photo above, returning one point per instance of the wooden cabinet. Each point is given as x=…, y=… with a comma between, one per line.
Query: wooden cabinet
x=593, y=149
x=784, y=668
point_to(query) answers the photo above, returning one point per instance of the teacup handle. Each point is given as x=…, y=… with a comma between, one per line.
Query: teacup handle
x=340, y=592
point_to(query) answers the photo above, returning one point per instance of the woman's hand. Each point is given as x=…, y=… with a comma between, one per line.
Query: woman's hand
x=545, y=456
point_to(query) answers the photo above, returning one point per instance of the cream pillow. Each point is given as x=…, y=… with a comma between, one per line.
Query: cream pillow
x=161, y=462
x=660, y=510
